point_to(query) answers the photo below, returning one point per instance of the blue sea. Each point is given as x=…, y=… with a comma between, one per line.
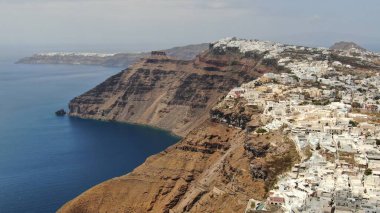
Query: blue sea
x=45, y=160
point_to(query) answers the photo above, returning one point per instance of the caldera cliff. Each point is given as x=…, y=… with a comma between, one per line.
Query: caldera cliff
x=171, y=94
x=220, y=163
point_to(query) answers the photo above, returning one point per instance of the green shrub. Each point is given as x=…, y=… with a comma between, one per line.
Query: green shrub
x=368, y=172
x=356, y=105
x=353, y=123
x=261, y=130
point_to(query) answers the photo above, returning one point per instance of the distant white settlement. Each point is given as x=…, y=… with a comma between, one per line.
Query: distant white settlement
x=101, y=55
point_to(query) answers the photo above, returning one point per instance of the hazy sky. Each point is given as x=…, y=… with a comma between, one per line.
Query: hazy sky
x=132, y=25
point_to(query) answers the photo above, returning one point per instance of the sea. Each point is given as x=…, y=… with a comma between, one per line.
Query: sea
x=45, y=160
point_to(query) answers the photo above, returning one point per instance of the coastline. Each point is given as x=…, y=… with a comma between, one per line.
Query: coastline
x=59, y=158
x=147, y=126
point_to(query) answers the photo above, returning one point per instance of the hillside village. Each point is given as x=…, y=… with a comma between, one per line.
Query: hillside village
x=328, y=103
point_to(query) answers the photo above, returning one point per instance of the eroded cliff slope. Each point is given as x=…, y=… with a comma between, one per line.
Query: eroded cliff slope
x=216, y=168
x=171, y=94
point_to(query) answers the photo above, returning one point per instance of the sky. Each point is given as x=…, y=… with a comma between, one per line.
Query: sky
x=137, y=25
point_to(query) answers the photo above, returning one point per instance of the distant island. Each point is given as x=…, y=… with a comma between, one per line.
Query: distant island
x=109, y=60
x=265, y=126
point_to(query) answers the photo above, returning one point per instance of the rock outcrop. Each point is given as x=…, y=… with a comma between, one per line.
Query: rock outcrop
x=60, y=112
x=346, y=46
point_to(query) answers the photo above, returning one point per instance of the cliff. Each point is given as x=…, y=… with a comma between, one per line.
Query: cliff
x=110, y=60
x=171, y=94
x=232, y=150
x=214, y=169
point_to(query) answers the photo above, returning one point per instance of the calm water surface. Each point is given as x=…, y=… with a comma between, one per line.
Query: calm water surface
x=46, y=160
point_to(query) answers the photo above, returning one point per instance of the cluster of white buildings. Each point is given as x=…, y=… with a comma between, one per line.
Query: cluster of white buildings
x=360, y=54
x=318, y=185
x=332, y=117
x=343, y=145
x=273, y=49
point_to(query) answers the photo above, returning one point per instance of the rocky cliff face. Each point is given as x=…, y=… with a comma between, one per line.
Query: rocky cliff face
x=216, y=168
x=220, y=163
x=172, y=94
